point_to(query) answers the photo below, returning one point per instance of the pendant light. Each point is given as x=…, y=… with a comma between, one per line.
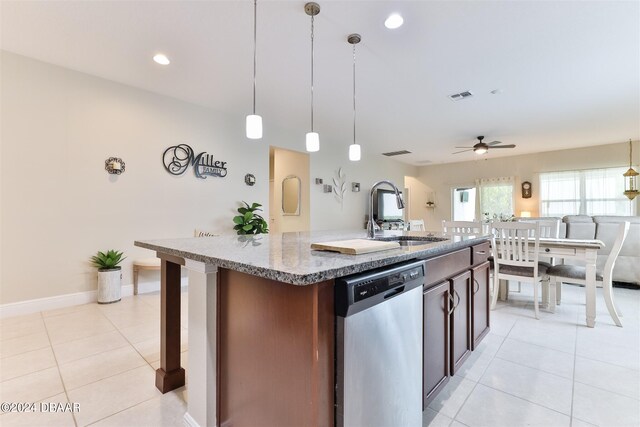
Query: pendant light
x=254, y=121
x=631, y=178
x=354, y=149
x=312, y=138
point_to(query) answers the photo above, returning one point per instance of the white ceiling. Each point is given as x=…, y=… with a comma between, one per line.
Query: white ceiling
x=569, y=70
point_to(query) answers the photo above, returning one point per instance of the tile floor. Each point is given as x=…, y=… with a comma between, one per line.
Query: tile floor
x=548, y=372
x=100, y=356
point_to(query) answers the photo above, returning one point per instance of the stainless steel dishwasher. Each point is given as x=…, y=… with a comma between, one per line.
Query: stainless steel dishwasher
x=379, y=347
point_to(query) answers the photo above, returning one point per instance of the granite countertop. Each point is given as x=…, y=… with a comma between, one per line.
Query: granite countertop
x=288, y=258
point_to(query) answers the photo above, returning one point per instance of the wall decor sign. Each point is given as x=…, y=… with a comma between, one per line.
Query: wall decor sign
x=178, y=158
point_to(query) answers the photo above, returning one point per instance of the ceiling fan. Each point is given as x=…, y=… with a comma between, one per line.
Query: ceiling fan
x=482, y=147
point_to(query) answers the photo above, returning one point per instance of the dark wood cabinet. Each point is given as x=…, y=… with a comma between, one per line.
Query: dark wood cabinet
x=480, y=303
x=456, y=313
x=435, y=342
x=460, y=319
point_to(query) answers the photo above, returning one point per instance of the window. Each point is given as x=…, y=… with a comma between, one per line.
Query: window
x=496, y=197
x=586, y=192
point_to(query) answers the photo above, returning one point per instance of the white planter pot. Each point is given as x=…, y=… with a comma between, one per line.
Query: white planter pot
x=109, y=285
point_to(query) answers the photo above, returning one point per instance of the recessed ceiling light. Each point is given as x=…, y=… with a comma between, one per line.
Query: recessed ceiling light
x=394, y=21
x=161, y=59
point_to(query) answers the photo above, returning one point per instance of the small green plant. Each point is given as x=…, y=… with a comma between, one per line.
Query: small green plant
x=249, y=222
x=107, y=260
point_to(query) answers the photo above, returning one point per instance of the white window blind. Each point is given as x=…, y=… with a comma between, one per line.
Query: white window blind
x=585, y=192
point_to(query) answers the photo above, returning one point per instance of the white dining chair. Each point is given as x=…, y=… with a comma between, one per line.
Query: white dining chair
x=577, y=274
x=416, y=225
x=549, y=228
x=462, y=228
x=515, y=259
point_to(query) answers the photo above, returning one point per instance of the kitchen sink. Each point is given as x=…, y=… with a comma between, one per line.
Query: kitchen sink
x=411, y=240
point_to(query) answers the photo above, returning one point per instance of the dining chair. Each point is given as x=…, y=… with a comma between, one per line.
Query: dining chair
x=515, y=259
x=416, y=225
x=462, y=228
x=549, y=228
x=577, y=274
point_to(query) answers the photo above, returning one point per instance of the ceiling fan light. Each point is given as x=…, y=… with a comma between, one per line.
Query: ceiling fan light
x=480, y=150
x=354, y=152
x=313, y=142
x=254, y=126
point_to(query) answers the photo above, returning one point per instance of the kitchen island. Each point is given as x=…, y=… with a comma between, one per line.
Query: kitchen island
x=262, y=322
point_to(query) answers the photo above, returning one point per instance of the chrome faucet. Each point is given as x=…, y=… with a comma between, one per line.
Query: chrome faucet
x=371, y=225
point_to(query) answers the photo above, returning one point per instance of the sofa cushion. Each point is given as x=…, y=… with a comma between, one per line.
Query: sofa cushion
x=627, y=268
x=580, y=227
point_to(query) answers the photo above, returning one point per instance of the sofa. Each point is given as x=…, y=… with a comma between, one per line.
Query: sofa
x=605, y=228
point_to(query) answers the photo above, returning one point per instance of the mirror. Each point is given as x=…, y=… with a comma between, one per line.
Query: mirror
x=291, y=195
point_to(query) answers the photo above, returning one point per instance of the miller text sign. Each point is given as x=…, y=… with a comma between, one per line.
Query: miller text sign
x=178, y=158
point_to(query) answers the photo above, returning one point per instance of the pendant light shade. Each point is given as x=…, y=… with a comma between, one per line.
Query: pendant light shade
x=354, y=152
x=254, y=126
x=313, y=142
x=254, y=122
x=312, y=138
x=354, y=149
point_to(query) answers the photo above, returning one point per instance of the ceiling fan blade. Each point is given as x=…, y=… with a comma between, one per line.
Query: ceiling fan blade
x=494, y=143
x=503, y=146
x=464, y=147
x=463, y=151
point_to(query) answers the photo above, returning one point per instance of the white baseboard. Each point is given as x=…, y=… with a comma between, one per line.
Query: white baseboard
x=61, y=301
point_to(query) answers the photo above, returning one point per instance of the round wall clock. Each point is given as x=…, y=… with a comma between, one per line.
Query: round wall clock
x=526, y=190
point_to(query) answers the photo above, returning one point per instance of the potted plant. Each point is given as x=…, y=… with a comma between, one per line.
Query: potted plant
x=249, y=222
x=109, y=276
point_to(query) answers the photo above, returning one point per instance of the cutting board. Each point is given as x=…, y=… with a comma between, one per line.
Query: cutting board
x=355, y=246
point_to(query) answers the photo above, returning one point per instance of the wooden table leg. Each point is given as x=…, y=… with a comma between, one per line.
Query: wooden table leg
x=170, y=375
x=590, y=286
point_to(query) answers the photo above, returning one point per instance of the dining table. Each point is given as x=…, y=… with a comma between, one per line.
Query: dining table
x=583, y=250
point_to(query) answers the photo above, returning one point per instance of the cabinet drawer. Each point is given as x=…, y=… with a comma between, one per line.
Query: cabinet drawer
x=444, y=266
x=480, y=253
x=558, y=252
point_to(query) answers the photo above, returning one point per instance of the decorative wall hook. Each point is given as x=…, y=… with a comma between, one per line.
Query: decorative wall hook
x=114, y=165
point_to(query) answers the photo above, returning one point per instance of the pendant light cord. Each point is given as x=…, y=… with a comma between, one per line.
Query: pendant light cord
x=312, y=73
x=354, y=93
x=255, y=6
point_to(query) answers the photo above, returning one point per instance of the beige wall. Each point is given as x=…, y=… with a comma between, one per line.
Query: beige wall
x=418, y=197
x=442, y=178
x=286, y=163
x=326, y=212
x=59, y=206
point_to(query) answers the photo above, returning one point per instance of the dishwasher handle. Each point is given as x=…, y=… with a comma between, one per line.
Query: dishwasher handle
x=393, y=292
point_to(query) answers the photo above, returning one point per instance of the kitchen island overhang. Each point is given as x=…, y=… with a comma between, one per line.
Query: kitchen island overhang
x=263, y=302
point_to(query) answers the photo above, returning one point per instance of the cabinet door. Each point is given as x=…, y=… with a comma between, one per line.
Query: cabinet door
x=460, y=319
x=480, y=302
x=435, y=341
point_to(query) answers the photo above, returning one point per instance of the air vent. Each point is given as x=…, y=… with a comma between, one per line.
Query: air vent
x=460, y=96
x=396, y=153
